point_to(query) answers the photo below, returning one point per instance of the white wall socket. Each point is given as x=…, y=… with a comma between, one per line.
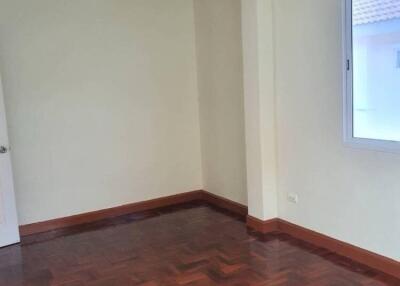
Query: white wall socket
x=293, y=198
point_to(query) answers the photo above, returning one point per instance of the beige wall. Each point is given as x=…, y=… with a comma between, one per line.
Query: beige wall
x=101, y=99
x=350, y=194
x=260, y=115
x=102, y=107
x=220, y=82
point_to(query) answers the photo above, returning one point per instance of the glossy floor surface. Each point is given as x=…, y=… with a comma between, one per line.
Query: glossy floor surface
x=186, y=245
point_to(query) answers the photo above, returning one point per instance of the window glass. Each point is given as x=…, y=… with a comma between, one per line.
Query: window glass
x=376, y=69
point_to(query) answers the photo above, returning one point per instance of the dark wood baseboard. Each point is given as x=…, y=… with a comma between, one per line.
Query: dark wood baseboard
x=88, y=217
x=355, y=253
x=224, y=203
x=262, y=226
x=199, y=195
x=358, y=254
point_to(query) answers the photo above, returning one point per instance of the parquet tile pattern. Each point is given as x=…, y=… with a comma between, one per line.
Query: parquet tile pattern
x=191, y=244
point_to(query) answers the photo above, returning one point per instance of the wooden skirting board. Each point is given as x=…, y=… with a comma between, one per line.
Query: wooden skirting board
x=261, y=226
x=88, y=217
x=360, y=255
x=224, y=203
x=355, y=253
x=199, y=195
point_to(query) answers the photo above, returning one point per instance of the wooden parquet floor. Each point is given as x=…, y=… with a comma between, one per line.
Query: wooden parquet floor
x=192, y=244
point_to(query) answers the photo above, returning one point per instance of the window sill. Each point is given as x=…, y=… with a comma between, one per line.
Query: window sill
x=373, y=145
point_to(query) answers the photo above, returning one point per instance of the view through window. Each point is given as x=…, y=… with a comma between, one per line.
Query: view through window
x=376, y=69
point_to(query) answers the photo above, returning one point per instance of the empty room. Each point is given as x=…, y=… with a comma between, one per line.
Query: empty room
x=199, y=142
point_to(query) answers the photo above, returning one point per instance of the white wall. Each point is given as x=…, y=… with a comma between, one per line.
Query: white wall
x=101, y=99
x=220, y=82
x=260, y=115
x=102, y=109
x=352, y=195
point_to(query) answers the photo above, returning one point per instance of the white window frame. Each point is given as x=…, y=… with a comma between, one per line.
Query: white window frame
x=349, y=139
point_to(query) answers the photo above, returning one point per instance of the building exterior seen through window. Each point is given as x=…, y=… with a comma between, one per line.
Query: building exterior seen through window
x=376, y=69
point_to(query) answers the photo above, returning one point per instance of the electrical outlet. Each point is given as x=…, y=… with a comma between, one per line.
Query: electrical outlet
x=293, y=198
